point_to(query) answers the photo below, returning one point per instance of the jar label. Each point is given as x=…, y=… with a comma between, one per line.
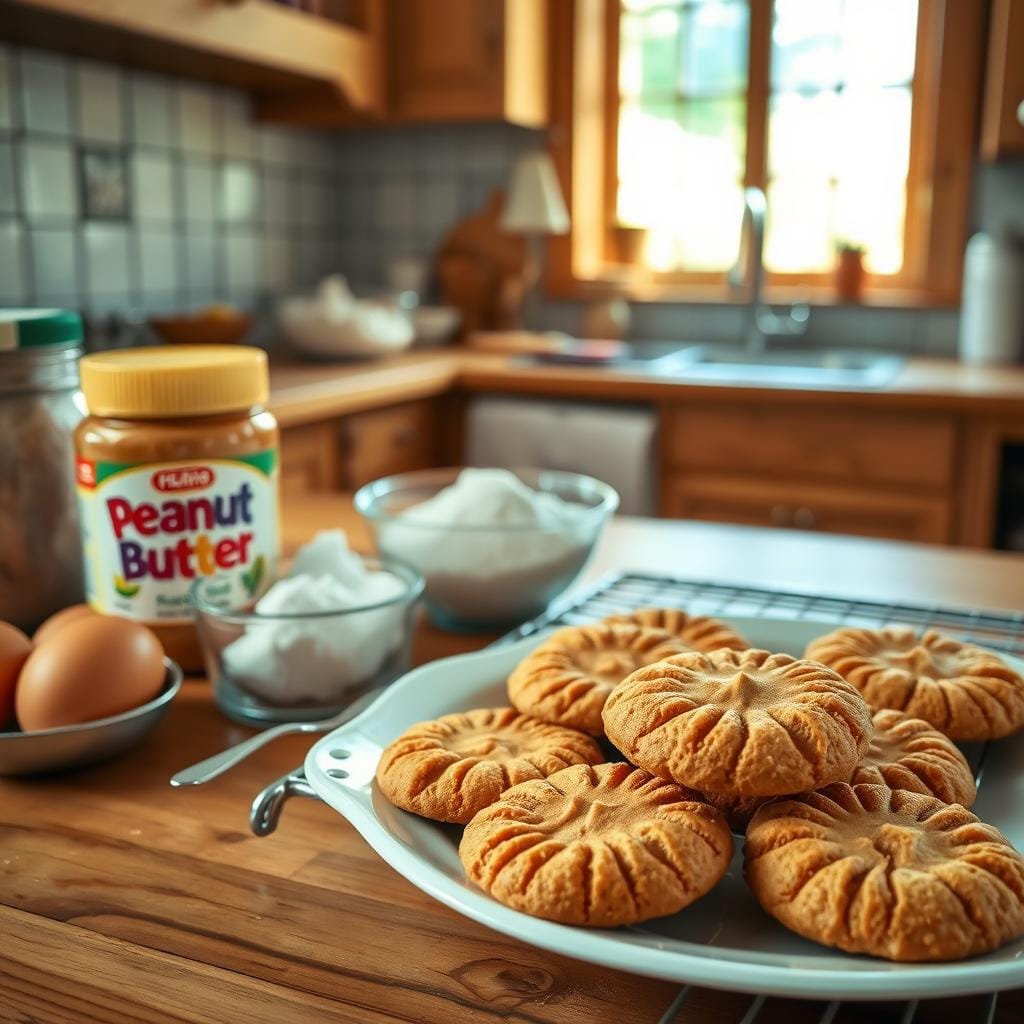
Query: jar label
x=149, y=531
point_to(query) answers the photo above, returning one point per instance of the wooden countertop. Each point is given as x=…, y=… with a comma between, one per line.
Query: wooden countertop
x=305, y=392
x=124, y=900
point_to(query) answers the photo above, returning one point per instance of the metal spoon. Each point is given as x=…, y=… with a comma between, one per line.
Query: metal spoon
x=211, y=767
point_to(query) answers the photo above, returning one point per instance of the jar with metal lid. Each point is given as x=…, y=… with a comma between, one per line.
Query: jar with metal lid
x=177, y=481
x=40, y=550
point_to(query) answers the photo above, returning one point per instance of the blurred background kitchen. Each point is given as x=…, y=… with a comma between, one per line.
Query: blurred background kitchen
x=733, y=196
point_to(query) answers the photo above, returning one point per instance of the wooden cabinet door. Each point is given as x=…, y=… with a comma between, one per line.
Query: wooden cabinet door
x=446, y=59
x=310, y=458
x=807, y=506
x=1002, y=131
x=383, y=442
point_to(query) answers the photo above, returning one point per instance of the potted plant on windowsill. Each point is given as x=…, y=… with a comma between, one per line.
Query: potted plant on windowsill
x=849, y=271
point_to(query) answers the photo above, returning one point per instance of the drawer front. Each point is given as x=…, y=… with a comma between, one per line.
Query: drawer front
x=807, y=506
x=813, y=444
x=310, y=458
x=388, y=441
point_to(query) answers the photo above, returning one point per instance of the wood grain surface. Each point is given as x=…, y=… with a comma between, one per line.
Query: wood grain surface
x=124, y=900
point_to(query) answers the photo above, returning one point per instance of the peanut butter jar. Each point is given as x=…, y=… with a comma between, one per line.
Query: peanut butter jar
x=177, y=479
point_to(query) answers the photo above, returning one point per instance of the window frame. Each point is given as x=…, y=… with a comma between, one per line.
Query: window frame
x=596, y=259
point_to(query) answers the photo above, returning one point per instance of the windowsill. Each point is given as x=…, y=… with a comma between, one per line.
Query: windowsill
x=637, y=289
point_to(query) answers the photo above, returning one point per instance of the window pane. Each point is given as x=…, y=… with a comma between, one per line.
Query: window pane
x=649, y=54
x=699, y=228
x=806, y=44
x=801, y=133
x=713, y=48
x=870, y=211
x=799, y=233
x=874, y=138
x=879, y=41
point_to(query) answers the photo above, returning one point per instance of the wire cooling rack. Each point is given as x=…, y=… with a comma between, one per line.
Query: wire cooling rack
x=625, y=592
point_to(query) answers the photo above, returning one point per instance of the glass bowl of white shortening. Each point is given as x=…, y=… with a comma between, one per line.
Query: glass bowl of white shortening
x=494, y=546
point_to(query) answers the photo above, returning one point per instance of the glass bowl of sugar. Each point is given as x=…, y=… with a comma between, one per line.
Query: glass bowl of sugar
x=495, y=546
x=337, y=627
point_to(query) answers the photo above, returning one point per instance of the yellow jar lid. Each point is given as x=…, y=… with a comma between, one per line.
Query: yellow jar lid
x=167, y=382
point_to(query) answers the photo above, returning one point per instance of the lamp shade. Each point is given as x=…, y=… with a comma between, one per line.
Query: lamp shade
x=535, y=205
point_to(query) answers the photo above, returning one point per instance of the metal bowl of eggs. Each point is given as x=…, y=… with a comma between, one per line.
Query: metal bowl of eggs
x=85, y=688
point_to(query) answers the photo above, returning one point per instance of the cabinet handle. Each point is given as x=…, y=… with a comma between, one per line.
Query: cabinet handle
x=779, y=515
x=804, y=519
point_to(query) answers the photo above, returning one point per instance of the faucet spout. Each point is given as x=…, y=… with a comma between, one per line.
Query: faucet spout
x=760, y=322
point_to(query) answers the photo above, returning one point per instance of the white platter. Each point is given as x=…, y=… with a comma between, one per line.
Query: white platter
x=724, y=940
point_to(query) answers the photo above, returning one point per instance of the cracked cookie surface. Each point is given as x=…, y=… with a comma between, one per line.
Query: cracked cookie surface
x=966, y=692
x=603, y=846
x=697, y=632
x=740, y=723
x=886, y=872
x=567, y=679
x=450, y=768
x=908, y=753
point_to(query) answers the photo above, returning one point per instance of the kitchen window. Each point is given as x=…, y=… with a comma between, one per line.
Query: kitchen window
x=833, y=107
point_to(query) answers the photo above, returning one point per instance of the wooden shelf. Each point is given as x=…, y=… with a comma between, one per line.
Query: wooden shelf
x=276, y=52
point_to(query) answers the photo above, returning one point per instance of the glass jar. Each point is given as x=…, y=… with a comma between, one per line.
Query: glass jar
x=40, y=549
x=177, y=467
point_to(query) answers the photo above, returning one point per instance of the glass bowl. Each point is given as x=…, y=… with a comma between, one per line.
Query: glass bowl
x=486, y=577
x=303, y=666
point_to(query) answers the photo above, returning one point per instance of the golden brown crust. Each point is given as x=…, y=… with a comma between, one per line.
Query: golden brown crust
x=697, y=632
x=451, y=768
x=603, y=846
x=567, y=679
x=966, y=692
x=887, y=872
x=740, y=723
x=908, y=753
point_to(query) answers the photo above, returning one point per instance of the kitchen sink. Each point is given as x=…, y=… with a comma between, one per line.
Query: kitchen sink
x=785, y=367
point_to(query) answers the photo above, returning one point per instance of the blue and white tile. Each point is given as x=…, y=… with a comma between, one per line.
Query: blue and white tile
x=99, y=94
x=154, y=187
x=8, y=107
x=152, y=111
x=198, y=123
x=278, y=262
x=238, y=197
x=8, y=181
x=394, y=208
x=236, y=125
x=13, y=277
x=54, y=261
x=106, y=259
x=158, y=261
x=273, y=145
x=199, y=190
x=44, y=92
x=243, y=262
x=202, y=272
x=48, y=179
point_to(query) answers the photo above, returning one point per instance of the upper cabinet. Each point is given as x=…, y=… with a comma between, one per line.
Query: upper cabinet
x=468, y=60
x=1002, y=124
x=331, y=63
x=288, y=58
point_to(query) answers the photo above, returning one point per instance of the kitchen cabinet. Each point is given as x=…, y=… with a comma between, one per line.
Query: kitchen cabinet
x=296, y=64
x=882, y=474
x=1002, y=118
x=468, y=60
x=344, y=454
x=825, y=508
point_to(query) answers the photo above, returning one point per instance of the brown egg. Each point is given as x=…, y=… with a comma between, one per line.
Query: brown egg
x=15, y=647
x=58, y=620
x=96, y=666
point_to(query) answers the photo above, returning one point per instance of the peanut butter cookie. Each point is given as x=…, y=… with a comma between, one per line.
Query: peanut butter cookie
x=697, y=632
x=450, y=768
x=963, y=690
x=895, y=874
x=740, y=723
x=907, y=753
x=737, y=810
x=567, y=679
x=602, y=846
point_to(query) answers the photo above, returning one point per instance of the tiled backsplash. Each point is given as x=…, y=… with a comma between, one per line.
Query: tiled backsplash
x=222, y=207
x=218, y=206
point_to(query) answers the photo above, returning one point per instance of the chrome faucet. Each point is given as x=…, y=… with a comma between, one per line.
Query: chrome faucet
x=761, y=322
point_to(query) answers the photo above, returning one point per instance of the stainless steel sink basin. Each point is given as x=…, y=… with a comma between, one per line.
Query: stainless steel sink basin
x=785, y=367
